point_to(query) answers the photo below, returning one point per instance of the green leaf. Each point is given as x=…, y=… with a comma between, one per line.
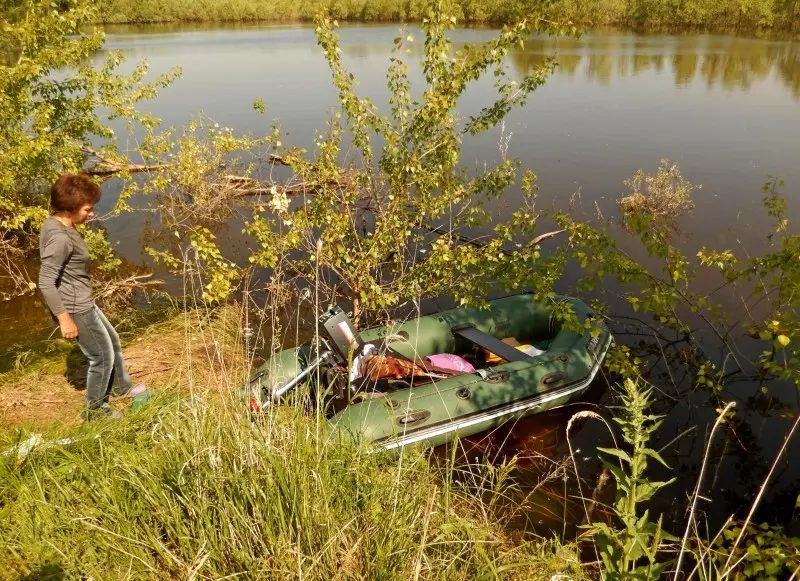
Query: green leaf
x=645, y=490
x=622, y=455
x=655, y=456
x=669, y=536
x=616, y=471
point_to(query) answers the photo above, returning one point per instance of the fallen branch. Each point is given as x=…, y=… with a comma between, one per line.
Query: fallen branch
x=276, y=190
x=542, y=237
x=238, y=179
x=276, y=159
x=247, y=186
x=481, y=244
x=104, y=167
x=126, y=284
x=110, y=168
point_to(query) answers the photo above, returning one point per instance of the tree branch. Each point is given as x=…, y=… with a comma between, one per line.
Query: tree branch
x=105, y=168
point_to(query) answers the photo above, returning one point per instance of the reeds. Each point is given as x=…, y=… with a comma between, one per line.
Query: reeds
x=189, y=486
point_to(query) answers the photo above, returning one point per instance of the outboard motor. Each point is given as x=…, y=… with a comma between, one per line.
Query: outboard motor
x=340, y=335
x=339, y=341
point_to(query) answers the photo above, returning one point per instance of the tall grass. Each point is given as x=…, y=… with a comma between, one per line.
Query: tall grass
x=190, y=487
x=724, y=14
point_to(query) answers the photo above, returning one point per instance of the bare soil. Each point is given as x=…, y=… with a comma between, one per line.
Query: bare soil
x=193, y=351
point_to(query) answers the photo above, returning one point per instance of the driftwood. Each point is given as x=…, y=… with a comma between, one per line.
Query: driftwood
x=106, y=168
x=276, y=159
x=247, y=186
x=232, y=179
x=128, y=284
x=274, y=189
x=110, y=168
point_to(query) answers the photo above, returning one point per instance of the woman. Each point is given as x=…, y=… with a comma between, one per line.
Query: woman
x=64, y=279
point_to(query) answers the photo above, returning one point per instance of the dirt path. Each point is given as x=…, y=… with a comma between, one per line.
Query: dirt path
x=191, y=351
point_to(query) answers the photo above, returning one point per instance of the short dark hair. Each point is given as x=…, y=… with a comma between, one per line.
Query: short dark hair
x=71, y=191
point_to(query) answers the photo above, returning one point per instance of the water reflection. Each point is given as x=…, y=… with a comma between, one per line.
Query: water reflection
x=541, y=500
x=729, y=63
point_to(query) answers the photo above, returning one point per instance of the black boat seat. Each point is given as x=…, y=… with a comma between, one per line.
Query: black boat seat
x=490, y=343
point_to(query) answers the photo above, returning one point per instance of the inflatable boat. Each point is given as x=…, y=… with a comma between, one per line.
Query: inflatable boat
x=520, y=357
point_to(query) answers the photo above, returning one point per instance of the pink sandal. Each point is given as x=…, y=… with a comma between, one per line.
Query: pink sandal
x=132, y=392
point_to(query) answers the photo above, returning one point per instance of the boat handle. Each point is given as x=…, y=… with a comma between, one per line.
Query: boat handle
x=413, y=417
x=496, y=376
x=462, y=393
x=552, y=379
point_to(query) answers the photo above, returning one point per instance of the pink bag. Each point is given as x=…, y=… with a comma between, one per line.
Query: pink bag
x=450, y=361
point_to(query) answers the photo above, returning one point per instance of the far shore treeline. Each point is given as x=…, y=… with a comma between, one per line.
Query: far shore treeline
x=730, y=15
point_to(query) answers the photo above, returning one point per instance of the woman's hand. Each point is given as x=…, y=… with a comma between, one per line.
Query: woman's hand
x=69, y=330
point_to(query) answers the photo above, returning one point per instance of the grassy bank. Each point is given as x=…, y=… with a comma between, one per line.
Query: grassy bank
x=669, y=14
x=44, y=381
x=189, y=487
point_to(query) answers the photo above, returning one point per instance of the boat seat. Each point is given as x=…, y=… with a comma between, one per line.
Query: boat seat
x=490, y=343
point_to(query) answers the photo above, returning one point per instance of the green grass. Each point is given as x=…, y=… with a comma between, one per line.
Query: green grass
x=190, y=487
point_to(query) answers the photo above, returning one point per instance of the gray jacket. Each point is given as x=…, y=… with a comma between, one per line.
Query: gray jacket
x=64, y=272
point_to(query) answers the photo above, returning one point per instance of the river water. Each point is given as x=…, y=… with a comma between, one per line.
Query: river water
x=727, y=109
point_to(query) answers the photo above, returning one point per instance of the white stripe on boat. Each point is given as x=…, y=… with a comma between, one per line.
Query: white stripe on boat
x=513, y=409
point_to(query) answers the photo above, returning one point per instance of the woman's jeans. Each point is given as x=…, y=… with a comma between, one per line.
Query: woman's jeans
x=100, y=344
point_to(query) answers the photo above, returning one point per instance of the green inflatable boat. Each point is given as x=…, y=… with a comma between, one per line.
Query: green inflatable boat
x=523, y=359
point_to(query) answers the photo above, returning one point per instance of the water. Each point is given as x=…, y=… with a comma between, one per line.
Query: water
x=726, y=109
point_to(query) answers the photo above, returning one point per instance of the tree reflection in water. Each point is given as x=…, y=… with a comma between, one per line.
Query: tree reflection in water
x=719, y=61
